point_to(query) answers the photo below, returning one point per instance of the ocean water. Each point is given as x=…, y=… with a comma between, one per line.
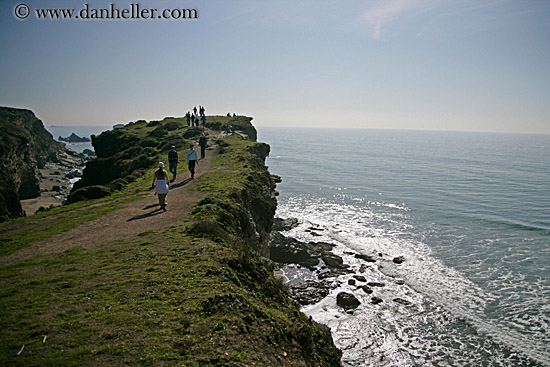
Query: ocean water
x=82, y=131
x=469, y=212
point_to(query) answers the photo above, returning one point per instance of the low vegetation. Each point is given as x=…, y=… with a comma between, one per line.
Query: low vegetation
x=193, y=294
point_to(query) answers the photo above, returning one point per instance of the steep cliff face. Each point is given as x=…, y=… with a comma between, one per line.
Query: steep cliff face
x=242, y=200
x=25, y=146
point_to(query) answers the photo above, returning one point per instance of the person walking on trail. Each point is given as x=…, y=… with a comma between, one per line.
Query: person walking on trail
x=188, y=118
x=202, y=144
x=203, y=121
x=173, y=162
x=192, y=160
x=160, y=178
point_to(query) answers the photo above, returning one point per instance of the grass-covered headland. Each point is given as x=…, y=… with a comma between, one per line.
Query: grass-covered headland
x=196, y=293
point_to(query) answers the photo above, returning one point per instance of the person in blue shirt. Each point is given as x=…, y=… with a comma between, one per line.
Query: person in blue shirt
x=192, y=160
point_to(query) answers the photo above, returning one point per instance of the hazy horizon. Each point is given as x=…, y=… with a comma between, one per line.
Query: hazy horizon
x=433, y=65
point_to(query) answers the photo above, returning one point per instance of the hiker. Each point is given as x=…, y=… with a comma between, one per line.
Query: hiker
x=202, y=144
x=197, y=120
x=188, y=118
x=173, y=162
x=192, y=159
x=195, y=110
x=203, y=121
x=162, y=184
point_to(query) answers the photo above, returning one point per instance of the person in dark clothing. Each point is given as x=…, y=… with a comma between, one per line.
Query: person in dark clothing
x=192, y=160
x=188, y=118
x=203, y=121
x=195, y=110
x=202, y=144
x=173, y=162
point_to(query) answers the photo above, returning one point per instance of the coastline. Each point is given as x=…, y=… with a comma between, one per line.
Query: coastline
x=56, y=182
x=192, y=290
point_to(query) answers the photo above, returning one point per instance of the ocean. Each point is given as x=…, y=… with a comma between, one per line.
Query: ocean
x=469, y=212
x=81, y=131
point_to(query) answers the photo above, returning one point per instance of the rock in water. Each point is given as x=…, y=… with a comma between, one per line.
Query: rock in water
x=399, y=259
x=347, y=300
x=73, y=138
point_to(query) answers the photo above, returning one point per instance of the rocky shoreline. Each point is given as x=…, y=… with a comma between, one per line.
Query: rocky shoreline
x=310, y=270
x=56, y=181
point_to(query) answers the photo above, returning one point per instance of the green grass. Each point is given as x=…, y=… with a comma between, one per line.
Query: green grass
x=159, y=298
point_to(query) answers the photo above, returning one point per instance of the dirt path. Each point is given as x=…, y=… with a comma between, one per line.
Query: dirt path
x=135, y=217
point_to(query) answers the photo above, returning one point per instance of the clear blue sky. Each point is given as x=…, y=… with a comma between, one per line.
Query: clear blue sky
x=478, y=65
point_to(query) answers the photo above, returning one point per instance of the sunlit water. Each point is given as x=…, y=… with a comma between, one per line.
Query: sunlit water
x=470, y=212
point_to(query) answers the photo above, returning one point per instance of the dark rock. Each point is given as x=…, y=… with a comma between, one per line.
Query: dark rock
x=366, y=289
x=309, y=292
x=287, y=250
x=280, y=224
x=351, y=281
x=398, y=259
x=25, y=147
x=72, y=174
x=367, y=258
x=89, y=192
x=375, y=284
x=73, y=138
x=399, y=282
x=360, y=278
x=276, y=179
x=56, y=188
x=334, y=262
x=402, y=301
x=376, y=300
x=347, y=300
x=89, y=152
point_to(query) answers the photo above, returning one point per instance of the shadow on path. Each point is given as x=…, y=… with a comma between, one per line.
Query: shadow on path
x=147, y=215
x=180, y=184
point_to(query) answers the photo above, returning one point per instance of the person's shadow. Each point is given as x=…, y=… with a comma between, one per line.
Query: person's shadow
x=146, y=215
x=180, y=184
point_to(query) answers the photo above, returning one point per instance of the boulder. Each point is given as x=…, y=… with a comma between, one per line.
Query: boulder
x=399, y=259
x=376, y=300
x=280, y=224
x=360, y=278
x=367, y=258
x=287, y=250
x=347, y=300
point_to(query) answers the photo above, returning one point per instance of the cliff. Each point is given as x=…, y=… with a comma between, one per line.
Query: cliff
x=25, y=146
x=124, y=154
x=196, y=292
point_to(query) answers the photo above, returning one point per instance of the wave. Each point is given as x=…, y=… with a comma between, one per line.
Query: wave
x=435, y=291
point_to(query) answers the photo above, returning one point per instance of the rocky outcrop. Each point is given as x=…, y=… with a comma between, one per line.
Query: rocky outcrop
x=25, y=147
x=73, y=138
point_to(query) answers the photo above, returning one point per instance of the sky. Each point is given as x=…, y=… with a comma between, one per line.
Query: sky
x=467, y=65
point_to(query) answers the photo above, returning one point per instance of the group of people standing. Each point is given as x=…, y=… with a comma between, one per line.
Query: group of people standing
x=196, y=119
x=161, y=182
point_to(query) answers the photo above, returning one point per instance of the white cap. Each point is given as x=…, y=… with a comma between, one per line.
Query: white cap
x=161, y=165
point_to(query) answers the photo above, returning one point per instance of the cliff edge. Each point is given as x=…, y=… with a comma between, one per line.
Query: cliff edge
x=25, y=147
x=115, y=280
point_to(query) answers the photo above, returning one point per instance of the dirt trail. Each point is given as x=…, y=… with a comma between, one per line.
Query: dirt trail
x=135, y=217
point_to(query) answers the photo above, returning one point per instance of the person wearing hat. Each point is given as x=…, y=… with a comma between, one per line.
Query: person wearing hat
x=162, y=184
x=192, y=159
x=173, y=162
